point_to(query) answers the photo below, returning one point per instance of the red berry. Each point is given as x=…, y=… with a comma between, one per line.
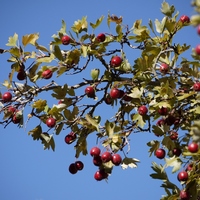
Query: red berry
x=197, y=49
x=185, y=19
x=116, y=61
x=108, y=100
x=106, y=157
x=97, y=161
x=177, y=151
x=95, y=151
x=184, y=195
x=160, y=153
x=142, y=110
x=11, y=109
x=47, y=74
x=189, y=167
x=65, y=40
x=72, y=168
x=121, y=94
x=127, y=98
x=15, y=120
x=173, y=135
x=79, y=165
x=182, y=176
x=114, y=93
x=89, y=91
x=193, y=147
x=160, y=122
x=163, y=111
x=101, y=37
x=21, y=75
x=196, y=86
x=198, y=29
x=71, y=137
x=100, y=175
x=116, y=159
x=50, y=122
x=164, y=68
x=7, y=97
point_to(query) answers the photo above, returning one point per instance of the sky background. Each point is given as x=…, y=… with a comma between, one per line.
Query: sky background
x=27, y=172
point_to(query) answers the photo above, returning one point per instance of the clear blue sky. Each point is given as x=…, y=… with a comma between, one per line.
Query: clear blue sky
x=27, y=172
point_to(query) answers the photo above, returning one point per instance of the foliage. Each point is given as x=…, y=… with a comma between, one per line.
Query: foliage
x=142, y=82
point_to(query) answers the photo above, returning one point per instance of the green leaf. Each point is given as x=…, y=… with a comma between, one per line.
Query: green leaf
x=160, y=173
x=30, y=39
x=48, y=141
x=84, y=50
x=80, y=25
x=167, y=10
x=151, y=26
x=98, y=22
x=160, y=26
x=46, y=59
x=129, y=162
x=81, y=145
x=36, y=132
x=185, y=95
x=139, y=120
x=41, y=48
x=174, y=162
x=58, y=53
x=109, y=126
x=63, y=28
x=154, y=144
x=12, y=41
x=114, y=18
x=39, y=105
x=95, y=74
x=92, y=121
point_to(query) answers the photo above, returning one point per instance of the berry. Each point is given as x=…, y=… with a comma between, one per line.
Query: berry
x=7, y=97
x=116, y=61
x=116, y=159
x=193, y=147
x=182, y=176
x=97, y=161
x=196, y=86
x=198, y=29
x=50, y=122
x=162, y=111
x=121, y=94
x=100, y=175
x=189, y=167
x=160, y=153
x=184, y=195
x=108, y=100
x=11, y=109
x=170, y=120
x=47, y=74
x=173, y=135
x=185, y=19
x=21, y=75
x=176, y=152
x=114, y=93
x=15, y=120
x=164, y=68
x=71, y=137
x=106, y=157
x=72, y=168
x=197, y=49
x=160, y=122
x=142, y=110
x=95, y=151
x=65, y=40
x=79, y=165
x=101, y=37
x=89, y=91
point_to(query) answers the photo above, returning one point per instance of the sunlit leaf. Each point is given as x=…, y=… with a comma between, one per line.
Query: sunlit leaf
x=12, y=41
x=30, y=39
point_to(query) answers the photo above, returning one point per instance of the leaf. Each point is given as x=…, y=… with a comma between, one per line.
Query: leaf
x=81, y=145
x=63, y=28
x=129, y=162
x=98, y=22
x=154, y=144
x=109, y=126
x=139, y=119
x=48, y=141
x=160, y=26
x=39, y=105
x=95, y=74
x=114, y=18
x=57, y=52
x=84, y=50
x=92, y=121
x=80, y=25
x=174, y=162
x=167, y=10
x=40, y=47
x=151, y=26
x=36, y=132
x=12, y=41
x=30, y=39
x=46, y=59
x=185, y=95
x=59, y=128
x=160, y=173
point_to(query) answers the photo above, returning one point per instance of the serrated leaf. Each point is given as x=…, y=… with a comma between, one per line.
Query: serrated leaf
x=98, y=22
x=46, y=59
x=160, y=173
x=160, y=26
x=92, y=121
x=12, y=41
x=129, y=162
x=81, y=145
x=59, y=128
x=48, y=142
x=174, y=162
x=39, y=105
x=109, y=126
x=151, y=26
x=40, y=47
x=154, y=144
x=139, y=120
x=30, y=39
x=167, y=10
x=80, y=25
x=58, y=53
x=36, y=132
x=63, y=28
